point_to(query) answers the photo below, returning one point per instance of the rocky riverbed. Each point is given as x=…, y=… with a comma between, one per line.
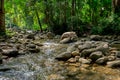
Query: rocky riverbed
x=32, y=55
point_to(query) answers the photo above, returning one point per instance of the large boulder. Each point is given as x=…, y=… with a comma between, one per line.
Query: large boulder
x=75, y=53
x=32, y=48
x=104, y=48
x=30, y=36
x=35, y=50
x=65, y=40
x=96, y=55
x=84, y=61
x=50, y=35
x=111, y=58
x=68, y=37
x=113, y=64
x=64, y=56
x=72, y=60
x=118, y=54
x=10, y=52
x=87, y=52
x=96, y=37
x=102, y=60
x=71, y=48
x=86, y=45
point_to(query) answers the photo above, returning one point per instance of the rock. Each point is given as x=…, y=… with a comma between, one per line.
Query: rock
x=79, y=43
x=114, y=52
x=69, y=34
x=30, y=36
x=84, y=61
x=13, y=40
x=69, y=37
x=6, y=68
x=75, y=53
x=87, y=52
x=22, y=52
x=118, y=54
x=10, y=52
x=95, y=55
x=37, y=37
x=113, y=64
x=111, y=58
x=96, y=37
x=65, y=40
x=102, y=60
x=35, y=50
x=50, y=35
x=4, y=57
x=1, y=50
x=85, y=46
x=39, y=44
x=20, y=35
x=64, y=56
x=104, y=48
x=77, y=58
x=71, y=48
x=2, y=40
x=31, y=46
x=115, y=42
x=29, y=31
x=55, y=77
x=72, y=60
x=1, y=58
x=57, y=37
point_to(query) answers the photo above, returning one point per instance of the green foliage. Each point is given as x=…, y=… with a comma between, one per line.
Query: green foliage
x=112, y=27
x=10, y=32
x=36, y=27
x=82, y=16
x=96, y=30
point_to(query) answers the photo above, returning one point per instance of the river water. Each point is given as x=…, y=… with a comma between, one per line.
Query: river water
x=31, y=66
x=43, y=66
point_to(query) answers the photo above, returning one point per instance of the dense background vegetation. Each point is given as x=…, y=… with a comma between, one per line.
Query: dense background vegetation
x=58, y=16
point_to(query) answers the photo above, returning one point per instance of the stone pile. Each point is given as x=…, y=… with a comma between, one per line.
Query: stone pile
x=91, y=52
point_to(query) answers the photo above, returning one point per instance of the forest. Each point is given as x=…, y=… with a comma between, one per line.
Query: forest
x=58, y=16
x=59, y=39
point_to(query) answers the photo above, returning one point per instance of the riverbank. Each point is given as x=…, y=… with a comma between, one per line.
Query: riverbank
x=40, y=56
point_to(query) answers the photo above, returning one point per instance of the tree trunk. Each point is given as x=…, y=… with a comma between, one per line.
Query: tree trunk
x=47, y=14
x=73, y=7
x=73, y=12
x=2, y=17
x=38, y=20
x=116, y=7
x=46, y=11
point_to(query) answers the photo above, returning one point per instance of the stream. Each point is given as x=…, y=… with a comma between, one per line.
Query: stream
x=31, y=66
x=43, y=66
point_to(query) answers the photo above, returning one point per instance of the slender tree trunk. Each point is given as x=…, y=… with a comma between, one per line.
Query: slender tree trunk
x=116, y=7
x=46, y=12
x=65, y=12
x=2, y=17
x=39, y=22
x=73, y=11
x=73, y=7
x=15, y=19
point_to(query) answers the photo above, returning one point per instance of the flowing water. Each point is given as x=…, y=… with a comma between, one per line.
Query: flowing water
x=32, y=66
x=43, y=66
